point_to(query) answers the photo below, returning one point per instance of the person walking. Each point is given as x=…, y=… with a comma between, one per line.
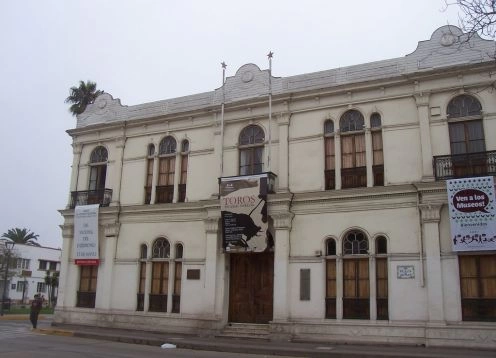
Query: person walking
x=36, y=305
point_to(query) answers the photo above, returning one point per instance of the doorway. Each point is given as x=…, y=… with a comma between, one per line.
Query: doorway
x=251, y=287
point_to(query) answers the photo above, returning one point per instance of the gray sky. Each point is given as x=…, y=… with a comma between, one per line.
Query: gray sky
x=142, y=51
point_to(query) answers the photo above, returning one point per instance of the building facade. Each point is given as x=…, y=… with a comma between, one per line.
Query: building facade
x=27, y=271
x=358, y=232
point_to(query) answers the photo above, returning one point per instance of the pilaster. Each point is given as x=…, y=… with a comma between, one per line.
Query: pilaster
x=211, y=225
x=111, y=232
x=117, y=171
x=430, y=214
x=282, y=226
x=422, y=101
x=67, y=235
x=283, y=172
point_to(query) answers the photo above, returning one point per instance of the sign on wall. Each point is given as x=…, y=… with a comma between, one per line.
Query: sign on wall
x=243, y=204
x=472, y=211
x=86, y=235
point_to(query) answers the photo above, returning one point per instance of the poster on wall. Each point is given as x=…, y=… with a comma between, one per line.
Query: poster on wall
x=472, y=211
x=86, y=235
x=243, y=205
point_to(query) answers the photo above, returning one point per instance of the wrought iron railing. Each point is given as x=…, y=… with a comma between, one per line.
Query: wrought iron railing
x=353, y=177
x=182, y=193
x=87, y=197
x=148, y=194
x=479, y=309
x=356, y=308
x=465, y=165
x=164, y=194
x=157, y=303
x=140, y=306
x=176, y=303
x=330, y=307
x=86, y=299
x=330, y=179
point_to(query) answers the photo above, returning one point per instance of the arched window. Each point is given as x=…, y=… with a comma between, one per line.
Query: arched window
x=184, y=170
x=167, y=146
x=381, y=278
x=464, y=106
x=330, y=167
x=178, y=268
x=149, y=173
x=167, y=167
x=142, y=278
x=377, y=150
x=331, y=279
x=251, y=145
x=356, y=291
x=353, y=162
x=466, y=134
x=98, y=175
x=160, y=276
x=355, y=243
x=161, y=249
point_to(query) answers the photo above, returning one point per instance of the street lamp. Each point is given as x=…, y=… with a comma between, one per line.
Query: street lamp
x=8, y=246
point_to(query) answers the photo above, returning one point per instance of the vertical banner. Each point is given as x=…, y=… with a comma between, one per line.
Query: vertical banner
x=243, y=205
x=472, y=211
x=86, y=235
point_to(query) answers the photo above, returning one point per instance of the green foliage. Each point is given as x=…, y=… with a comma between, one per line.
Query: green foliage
x=22, y=236
x=81, y=96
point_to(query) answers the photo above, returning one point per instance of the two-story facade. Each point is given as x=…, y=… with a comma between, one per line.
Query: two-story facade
x=360, y=246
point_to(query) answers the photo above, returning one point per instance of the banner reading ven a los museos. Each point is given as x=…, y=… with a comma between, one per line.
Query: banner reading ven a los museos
x=243, y=202
x=86, y=235
x=472, y=211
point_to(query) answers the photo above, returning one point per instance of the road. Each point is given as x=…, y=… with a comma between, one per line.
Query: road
x=18, y=341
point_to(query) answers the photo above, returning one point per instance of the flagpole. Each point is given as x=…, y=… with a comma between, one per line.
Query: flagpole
x=223, y=64
x=270, y=109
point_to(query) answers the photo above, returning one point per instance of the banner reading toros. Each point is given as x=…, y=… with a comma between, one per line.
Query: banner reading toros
x=86, y=235
x=243, y=203
x=472, y=211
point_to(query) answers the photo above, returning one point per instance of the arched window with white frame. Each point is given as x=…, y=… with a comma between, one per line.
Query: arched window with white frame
x=330, y=155
x=160, y=275
x=331, y=279
x=166, y=172
x=251, y=150
x=353, y=150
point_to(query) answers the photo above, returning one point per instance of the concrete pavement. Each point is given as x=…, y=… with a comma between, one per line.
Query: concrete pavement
x=255, y=346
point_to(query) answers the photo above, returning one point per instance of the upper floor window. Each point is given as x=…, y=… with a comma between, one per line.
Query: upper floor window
x=353, y=157
x=167, y=145
x=377, y=151
x=381, y=245
x=98, y=168
x=149, y=173
x=143, y=252
x=251, y=145
x=330, y=247
x=464, y=106
x=330, y=157
x=184, y=170
x=167, y=163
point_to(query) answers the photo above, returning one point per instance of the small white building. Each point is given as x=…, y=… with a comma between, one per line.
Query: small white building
x=28, y=271
x=358, y=241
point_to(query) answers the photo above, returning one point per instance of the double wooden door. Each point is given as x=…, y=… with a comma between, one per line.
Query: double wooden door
x=251, y=287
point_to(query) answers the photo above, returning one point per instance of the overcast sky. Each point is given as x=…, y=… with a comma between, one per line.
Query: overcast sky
x=143, y=51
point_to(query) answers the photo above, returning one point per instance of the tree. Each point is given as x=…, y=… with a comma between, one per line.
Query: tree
x=22, y=236
x=52, y=282
x=81, y=96
x=478, y=16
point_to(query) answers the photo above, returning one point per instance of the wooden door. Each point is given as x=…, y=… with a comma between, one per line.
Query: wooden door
x=251, y=288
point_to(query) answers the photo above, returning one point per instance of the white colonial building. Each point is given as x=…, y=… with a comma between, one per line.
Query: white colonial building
x=28, y=270
x=358, y=245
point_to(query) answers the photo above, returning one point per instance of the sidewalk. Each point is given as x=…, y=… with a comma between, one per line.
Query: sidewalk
x=256, y=346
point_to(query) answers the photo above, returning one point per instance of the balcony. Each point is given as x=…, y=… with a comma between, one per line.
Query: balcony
x=88, y=197
x=465, y=165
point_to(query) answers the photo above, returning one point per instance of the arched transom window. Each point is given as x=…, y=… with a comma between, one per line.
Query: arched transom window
x=161, y=249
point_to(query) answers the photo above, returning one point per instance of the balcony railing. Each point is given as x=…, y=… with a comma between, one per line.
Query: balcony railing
x=86, y=299
x=157, y=303
x=88, y=197
x=465, y=165
x=353, y=177
x=165, y=194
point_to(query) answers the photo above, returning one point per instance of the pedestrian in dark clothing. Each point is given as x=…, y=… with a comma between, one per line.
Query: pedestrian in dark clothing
x=35, y=310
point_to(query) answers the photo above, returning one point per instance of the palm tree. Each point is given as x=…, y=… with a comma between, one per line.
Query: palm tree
x=52, y=283
x=81, y=96
x=22, y=236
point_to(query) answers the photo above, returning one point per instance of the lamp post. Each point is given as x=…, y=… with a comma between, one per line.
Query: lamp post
x=8, y=246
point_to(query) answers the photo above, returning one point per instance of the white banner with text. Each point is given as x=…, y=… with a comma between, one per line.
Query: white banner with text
x=86, y=235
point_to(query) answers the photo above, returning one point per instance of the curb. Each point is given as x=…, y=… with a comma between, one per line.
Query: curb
x=55, y=332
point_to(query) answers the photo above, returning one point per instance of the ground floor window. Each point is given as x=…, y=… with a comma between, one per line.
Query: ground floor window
x=87, y=286
x=478, y=287
x=356, y=293
x=160, y=287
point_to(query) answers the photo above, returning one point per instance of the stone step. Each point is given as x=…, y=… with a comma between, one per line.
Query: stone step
x=246, y=331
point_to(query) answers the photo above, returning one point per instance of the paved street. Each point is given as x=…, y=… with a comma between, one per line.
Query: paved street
x=17, y=340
